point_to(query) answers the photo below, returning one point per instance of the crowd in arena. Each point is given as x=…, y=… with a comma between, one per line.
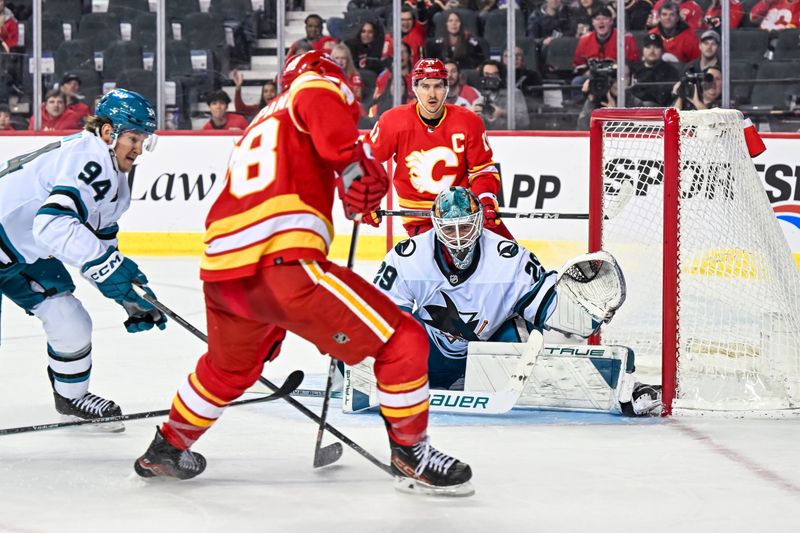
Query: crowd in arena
x=565, y=60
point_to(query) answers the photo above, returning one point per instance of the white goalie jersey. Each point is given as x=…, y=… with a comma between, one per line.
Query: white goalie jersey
x=62, y=200
x=504, y=280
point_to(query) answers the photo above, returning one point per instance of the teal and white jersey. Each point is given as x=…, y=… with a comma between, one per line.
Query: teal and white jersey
x=503, y=281
x=62, y=200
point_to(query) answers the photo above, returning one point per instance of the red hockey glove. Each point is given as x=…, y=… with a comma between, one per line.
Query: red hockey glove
x=490, y=207
x=363, y=185
x=373, y=218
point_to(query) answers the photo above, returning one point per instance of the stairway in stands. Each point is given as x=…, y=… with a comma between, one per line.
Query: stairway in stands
x=264, y=62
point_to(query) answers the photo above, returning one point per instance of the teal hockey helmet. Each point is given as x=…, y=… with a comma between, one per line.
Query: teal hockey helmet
x=457, y=219
x=128, y=111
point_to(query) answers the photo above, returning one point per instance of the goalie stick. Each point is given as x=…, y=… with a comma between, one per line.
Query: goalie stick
x=270, y=385
x=291, y=383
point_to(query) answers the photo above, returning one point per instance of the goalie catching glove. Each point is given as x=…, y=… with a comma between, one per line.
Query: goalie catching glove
x=590, y=288
x=363, y=185
x=114, y=275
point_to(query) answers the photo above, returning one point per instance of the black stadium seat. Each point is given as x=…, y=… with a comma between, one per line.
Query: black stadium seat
x=231, y=9
x=560, y=54
x=749, y=44
x=143, y=29
x=495, y=29
x=99, y=29
x=788, y=44
x=74, y=54
x=177, y=9
x=66, y=10
x=140, y=81
x=119, y=56
x=777, y=95
x=203, y=31
x=137, y=5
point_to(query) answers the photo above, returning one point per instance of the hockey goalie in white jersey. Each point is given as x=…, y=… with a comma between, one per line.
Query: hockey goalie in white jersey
x=471, y=289
x=60, y=204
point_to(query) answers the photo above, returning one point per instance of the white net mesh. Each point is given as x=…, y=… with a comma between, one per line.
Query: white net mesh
x=739, y=287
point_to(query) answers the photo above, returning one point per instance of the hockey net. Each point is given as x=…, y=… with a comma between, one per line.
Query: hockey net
x=713, y=293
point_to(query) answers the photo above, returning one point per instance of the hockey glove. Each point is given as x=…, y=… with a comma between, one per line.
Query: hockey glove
x=114, y=275
x=489, y=203
x=373, y=218
x=143, y=319
x=363, y=185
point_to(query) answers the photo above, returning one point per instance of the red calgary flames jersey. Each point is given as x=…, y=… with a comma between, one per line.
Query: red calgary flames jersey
x=430, y=160
x=276, y=205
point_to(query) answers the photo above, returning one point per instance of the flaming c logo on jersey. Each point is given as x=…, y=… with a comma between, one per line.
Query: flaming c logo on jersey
x=421, y=163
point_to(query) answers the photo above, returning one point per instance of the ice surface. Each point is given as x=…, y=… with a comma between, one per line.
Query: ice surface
x=534, y=471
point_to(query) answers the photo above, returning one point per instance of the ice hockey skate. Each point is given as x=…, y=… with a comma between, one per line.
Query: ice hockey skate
x=422, y=469
x=162, y=459
x=88, y=407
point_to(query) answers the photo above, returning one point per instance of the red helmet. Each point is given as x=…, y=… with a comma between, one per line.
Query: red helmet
x=429, y=68
x=313, y=61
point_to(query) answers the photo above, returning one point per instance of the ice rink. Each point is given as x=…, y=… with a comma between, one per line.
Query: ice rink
x=534, y=471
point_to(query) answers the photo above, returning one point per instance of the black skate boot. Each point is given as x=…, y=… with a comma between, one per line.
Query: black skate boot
x=421, y=468
x=89, y=407
x=645, y=401
x=165, y=460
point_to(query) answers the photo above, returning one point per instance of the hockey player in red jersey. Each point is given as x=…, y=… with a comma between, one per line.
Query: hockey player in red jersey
x=266, y=272
x=435, y=146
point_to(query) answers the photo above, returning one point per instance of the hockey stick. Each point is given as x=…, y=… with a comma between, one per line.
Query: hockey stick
x=270, y=385
x=291, y=383
x=503, y=214
x=324, y=456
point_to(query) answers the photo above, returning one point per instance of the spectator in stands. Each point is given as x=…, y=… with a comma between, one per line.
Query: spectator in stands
x=458, y=45
x=368, y=46
x=680, y=41
x=341, y=55
x=528, y=81
x=653, y=69
x=550, y=21
x=709, y=53
x=5, y=118
x=688, y=10
x=9, y=28
x=458, y=92
x=314, y=37
x=601, y=44
x=492, y=106
x=776, y=14
x=218, y=102
x=637, y=12
x=582, y=15
x=70, y=87
x=706, y=95
x=413, y=33
x=383, y=98
x=268, y=91
x=713, y=17
x=55, y=115
x=603, y=93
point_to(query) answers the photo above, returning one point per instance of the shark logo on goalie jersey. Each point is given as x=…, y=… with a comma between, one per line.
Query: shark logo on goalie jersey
x=450, y=320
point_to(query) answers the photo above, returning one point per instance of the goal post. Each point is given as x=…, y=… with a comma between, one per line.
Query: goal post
x=713, y=299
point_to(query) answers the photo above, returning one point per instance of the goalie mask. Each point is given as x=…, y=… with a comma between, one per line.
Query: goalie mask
x=458, y=222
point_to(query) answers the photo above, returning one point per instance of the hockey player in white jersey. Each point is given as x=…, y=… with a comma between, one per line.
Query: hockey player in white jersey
x=60, y=204
x=465, y=284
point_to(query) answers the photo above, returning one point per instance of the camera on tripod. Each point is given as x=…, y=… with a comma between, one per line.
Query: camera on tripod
x=692, y=80
x=489, y=87
x=602, y=75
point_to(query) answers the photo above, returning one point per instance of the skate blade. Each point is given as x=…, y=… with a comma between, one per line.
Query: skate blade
x=108, y=427
x=414, y=486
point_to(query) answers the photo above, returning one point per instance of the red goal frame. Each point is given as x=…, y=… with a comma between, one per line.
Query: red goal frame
x=670, y=119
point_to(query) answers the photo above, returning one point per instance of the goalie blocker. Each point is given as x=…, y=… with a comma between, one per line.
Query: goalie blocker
x=564, y=377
